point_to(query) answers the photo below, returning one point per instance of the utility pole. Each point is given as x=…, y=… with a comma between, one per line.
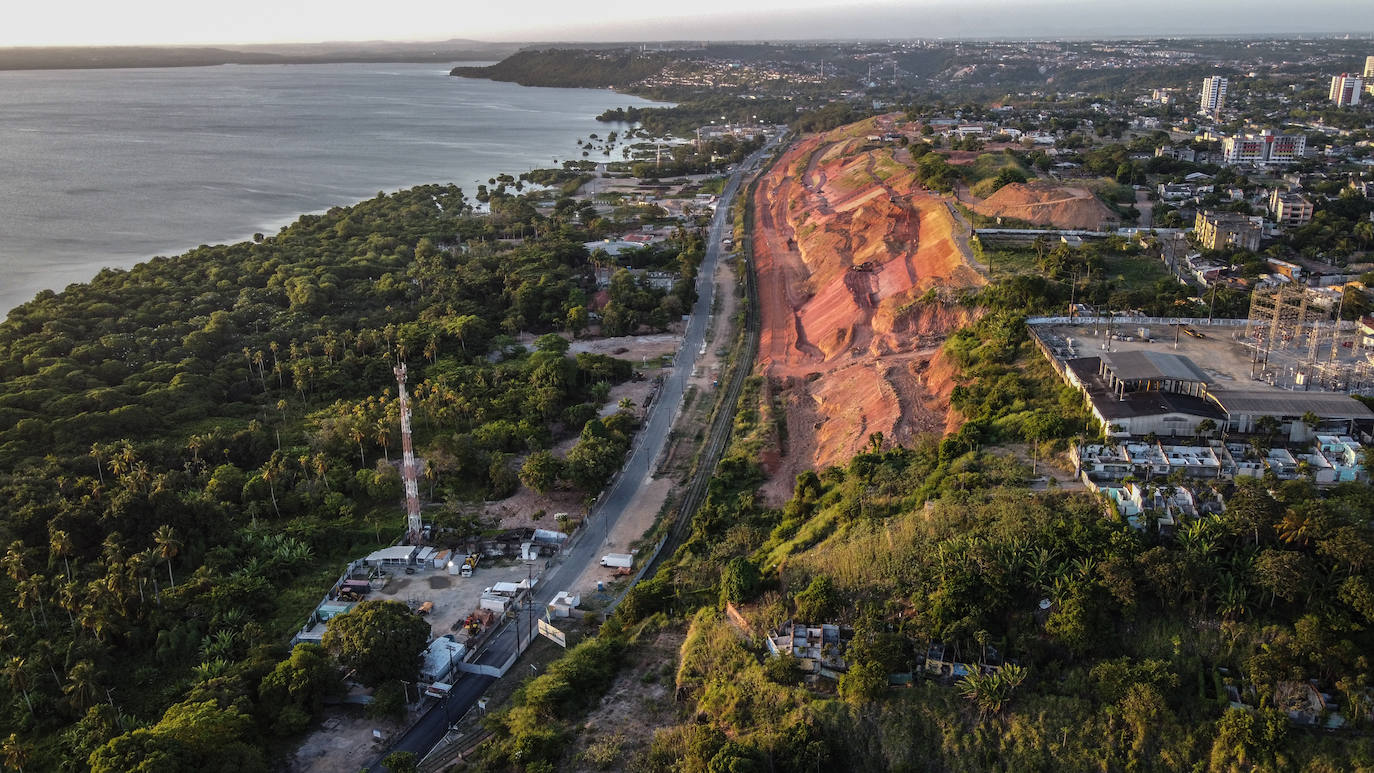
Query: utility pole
x=414, y=526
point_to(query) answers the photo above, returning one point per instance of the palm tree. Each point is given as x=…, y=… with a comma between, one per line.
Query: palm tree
x=210, y=669
x=320, y=462
x=1231, y=597
x=42, y=654
x=17, y=669
x=68, y=598
x=195, y=444
x=16, y=752
x=431, y=475
x=1298, y=526
x=1364, y=232
x=98, y=453
x=123, y=459
x=167, y=547
x=137, y=567
x=81, y=685
x=30, y=595
x=357, y=435
x=15, y=561
x=60, y=542
x=94, y=613
x=270, y=472
x=383, y=435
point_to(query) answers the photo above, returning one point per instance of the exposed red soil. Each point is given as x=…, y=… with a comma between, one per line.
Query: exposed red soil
x=1045, y=203
x=845, y=243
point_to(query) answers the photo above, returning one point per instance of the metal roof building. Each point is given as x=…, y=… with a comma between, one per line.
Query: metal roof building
x=1146, y=371
x=1243, y=408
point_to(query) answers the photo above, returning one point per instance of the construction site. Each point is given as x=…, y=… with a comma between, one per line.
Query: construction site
x=857, y=264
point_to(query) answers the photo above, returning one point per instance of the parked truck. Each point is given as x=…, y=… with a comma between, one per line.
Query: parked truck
x=618, y=560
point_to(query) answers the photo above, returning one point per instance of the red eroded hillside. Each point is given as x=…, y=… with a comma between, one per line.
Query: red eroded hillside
x=847, y=245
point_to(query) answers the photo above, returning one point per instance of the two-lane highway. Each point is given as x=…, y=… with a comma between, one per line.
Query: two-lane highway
x=586, y=548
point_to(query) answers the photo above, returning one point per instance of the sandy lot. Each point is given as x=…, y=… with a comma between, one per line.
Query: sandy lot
x=1045, y=203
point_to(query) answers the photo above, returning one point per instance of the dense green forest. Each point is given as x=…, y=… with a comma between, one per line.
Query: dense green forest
x=571, y=68
x=190, y=449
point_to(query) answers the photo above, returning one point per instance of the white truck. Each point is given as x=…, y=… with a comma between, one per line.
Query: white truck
x=618, y=560
x=504, y=589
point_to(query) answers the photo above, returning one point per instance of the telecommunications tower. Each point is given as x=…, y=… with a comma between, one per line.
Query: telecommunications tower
x=409, y=475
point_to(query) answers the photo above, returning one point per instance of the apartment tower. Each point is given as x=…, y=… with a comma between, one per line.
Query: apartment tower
x=1345, y=90
x=1213, y=94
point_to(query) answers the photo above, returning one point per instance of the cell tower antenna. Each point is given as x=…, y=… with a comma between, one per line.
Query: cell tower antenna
x=414, y=526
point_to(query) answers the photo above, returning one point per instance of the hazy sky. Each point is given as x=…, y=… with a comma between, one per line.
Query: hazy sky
x=102, y=22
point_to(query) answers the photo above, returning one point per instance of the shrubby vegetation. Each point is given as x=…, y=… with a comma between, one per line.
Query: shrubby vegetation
x=1146, y=639
x=191, y=448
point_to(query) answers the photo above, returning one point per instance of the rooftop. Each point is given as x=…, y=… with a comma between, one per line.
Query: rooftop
x=1152, y=366
x=1137, y=403
x=1332, y=405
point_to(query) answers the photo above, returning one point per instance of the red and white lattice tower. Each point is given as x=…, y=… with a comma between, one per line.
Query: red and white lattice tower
x=409, y=474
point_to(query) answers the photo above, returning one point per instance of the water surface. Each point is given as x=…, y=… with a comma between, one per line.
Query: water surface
x=110, y=167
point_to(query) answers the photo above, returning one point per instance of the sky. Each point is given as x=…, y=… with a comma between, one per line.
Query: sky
x=159, y=22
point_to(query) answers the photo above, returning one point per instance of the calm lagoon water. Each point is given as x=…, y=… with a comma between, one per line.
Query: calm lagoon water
x=110, y=167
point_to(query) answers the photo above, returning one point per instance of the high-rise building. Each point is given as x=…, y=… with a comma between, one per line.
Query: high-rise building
x=1264, y=149
x=1213, y=94
x=1345, y=90
x=1369, y=67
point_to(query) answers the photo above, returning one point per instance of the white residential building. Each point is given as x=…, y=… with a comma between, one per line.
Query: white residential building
x=1369, y=68
x=1213, y=94
x=1263, y=149
x=1345, y=90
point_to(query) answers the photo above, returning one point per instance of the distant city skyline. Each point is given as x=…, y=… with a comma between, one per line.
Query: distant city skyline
x=176, y=22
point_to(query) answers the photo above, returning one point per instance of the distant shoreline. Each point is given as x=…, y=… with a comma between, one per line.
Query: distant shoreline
x=135, y=57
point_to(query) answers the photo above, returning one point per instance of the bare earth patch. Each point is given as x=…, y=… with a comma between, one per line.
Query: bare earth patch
x=848, y=248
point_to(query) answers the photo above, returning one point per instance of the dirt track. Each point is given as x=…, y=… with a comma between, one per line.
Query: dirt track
x=845, y=244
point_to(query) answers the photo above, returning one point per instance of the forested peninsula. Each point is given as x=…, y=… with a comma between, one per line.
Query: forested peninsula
x=675, y=77
x=190, y=449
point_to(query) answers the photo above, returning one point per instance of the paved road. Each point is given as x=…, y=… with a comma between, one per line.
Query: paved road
x=649, y=443
x=432, y=726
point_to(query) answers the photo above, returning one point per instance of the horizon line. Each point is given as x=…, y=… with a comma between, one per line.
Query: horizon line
x=1276, y=35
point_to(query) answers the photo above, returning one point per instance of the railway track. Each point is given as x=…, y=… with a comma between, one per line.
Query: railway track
x=718, y=435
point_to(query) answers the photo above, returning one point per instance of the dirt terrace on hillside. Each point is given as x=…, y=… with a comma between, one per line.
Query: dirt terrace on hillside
x=846, y=242
x=1045, y=203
